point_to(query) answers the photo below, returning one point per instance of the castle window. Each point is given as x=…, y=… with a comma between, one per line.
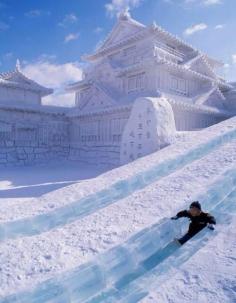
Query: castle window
x=174, y=83
x=178, y=85
x=140, y=81
x=182, y=85
x=136, y=82
x=132, y=83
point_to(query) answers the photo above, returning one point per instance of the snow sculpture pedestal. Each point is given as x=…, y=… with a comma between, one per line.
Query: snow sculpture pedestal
x=151, y=126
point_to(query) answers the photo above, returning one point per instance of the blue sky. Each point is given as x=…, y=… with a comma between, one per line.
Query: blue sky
x=50, y=36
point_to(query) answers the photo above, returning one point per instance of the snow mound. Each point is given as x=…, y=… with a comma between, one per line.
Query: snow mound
x=151, y=126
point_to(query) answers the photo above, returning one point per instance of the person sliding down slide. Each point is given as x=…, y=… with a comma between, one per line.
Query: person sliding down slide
x=198, y=218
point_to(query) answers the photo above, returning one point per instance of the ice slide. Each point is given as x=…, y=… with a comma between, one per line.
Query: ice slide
x=126, y=273
x=119, y=190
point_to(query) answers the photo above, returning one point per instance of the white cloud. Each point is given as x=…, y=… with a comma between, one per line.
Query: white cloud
x=68, y=20
x=71, y=37
x=234, y=58
x=203, y=2
x=211, y=2
x=36, y=13
x=56, y=76
x=60, y=99
x=52, y=74
x=195, y=28
x=46, y=57
x=219, y=26
x=116, y=6
x=98, y=30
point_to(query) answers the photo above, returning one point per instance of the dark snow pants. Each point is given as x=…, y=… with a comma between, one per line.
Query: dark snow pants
x=185, y=238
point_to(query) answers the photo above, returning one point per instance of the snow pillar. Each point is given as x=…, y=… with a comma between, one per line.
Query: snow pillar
x=150, y=127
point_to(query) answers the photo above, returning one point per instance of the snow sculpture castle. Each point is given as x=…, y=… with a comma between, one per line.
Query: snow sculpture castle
x=138, y=70
x=29, y=131
x=137, y=60
x=17, y=88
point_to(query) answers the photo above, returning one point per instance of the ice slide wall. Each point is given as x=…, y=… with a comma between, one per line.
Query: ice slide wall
x=127, y=272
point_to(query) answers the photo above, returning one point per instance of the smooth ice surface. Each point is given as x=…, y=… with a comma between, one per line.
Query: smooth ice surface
x=144, y=258
x=101, y=199
x=169, y=257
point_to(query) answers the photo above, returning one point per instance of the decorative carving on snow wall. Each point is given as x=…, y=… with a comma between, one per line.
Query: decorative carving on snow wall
x=151, y=126
x=27, y=137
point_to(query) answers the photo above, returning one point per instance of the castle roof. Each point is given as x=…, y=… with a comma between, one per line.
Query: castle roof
x=127, y=30
x=199, y=108
x=17, y=79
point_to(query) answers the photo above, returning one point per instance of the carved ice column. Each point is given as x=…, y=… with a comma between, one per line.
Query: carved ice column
x=151, y=126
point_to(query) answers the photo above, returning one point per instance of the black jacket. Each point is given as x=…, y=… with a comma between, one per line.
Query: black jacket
x=197, y=222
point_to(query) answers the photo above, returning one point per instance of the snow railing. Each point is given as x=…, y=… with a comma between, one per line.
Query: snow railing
x=119, y=190
x=126, y=272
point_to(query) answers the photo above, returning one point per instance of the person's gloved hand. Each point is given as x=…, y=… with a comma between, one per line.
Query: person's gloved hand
x=210, y=226
x=174, y=218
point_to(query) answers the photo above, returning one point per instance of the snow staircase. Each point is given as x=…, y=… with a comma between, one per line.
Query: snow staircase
x=127, y=272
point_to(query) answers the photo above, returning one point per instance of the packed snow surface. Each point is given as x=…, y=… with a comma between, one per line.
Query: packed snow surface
x=58, y=250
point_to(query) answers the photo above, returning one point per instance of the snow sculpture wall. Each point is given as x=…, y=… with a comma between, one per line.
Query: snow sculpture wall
x=96, y=139
x=10, y=95
x=32, y=137
x=151, y=126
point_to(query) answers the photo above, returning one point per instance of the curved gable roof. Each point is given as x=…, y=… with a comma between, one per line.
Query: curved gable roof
x=17, y=79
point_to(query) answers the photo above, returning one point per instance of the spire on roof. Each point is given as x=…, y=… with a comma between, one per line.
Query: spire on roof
x=154, y=25
x=18, y=66
x=124, y=15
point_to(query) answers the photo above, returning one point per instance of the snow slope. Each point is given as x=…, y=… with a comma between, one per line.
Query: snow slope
x=167, y=260
x=209, y=276
x=27, y=261
x=118, y=272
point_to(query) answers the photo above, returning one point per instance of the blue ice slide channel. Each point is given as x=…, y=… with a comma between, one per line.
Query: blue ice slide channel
x=168, y=260
x=121, y=189
x=123, y=272
x=157, y=268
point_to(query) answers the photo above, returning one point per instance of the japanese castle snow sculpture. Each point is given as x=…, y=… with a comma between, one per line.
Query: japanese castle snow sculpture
x=141, y=61
x=17, y=88
x=29, y=131
x=141, y=85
